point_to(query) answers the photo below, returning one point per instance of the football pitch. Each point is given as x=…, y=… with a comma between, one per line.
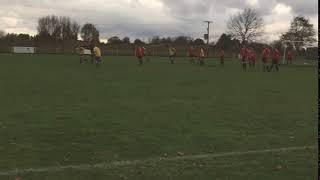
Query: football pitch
x=60, y=120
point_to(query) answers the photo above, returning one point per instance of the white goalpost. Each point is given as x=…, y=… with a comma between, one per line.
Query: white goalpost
x=285, y=44
x=23, y=50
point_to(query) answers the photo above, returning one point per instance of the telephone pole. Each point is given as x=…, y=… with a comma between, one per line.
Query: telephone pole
x=207, y=36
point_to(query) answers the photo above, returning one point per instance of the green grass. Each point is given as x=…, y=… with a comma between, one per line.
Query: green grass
x=55, y=111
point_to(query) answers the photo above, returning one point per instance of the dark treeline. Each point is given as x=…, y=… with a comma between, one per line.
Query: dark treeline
x=62, y=34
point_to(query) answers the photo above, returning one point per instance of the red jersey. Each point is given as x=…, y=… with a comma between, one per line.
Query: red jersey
x=139, y=52
x=276, y=55
x=244, y=53
x=265, y=53
x=253, y=55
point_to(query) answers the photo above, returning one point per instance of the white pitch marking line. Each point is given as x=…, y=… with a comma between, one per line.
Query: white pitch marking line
x=107, y=165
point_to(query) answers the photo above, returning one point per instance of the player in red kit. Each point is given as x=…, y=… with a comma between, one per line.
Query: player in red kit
x=244, y=56
x=139, y=52
x=275, y=59
x=289, y=57
x=221, y=55
x=252, y=58
x=265, y=58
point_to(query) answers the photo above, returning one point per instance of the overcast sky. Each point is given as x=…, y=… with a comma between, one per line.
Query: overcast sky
x=147, y=18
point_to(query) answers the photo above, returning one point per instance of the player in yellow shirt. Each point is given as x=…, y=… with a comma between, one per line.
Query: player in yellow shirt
x=97, y=56
x=172, y=54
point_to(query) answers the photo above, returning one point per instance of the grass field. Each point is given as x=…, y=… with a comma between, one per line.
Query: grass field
x=122, y=118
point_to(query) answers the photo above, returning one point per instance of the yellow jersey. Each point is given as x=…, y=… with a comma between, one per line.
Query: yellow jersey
x=97, y=52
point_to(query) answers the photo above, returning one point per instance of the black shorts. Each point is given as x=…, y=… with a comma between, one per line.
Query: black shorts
x=98, y=59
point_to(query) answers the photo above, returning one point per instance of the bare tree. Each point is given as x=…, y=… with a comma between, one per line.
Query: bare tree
x=70, y=30
x=57, y=28
x=49, y=27
x=246, y=26
x=75, y=29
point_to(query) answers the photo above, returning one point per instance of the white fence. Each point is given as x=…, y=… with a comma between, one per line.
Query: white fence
x=24, y=50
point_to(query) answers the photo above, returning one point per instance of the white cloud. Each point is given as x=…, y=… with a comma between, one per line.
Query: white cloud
x=253, y=3
x=281, y=9
x=9, y=21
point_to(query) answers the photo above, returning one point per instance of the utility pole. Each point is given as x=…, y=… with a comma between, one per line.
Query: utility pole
x=208, y=35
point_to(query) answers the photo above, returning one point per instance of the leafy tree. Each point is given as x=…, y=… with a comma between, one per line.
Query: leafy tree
x=138, y=42
x=182, y=40
x=90, y=34
x=155, y=40
x=198, y=42
x=126, y=40
x=167, y=40
x=114, y=40
x=300, y=30
x=227, y=43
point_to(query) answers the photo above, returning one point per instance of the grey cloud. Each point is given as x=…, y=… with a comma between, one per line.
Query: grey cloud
x=187, y=14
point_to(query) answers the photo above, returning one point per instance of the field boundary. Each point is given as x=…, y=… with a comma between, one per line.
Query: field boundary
x=108, y=165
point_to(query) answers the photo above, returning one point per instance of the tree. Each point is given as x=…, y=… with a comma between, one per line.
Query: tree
x=126, y=40
x=114, y=40
x=75, y=28
x=2, y=34
x=167, y=40
x=49, y=27
x=57, y=28
x=198, y=42
x=155, y=40
x=227, y=43
x=182, y=40
x=300, y=30
x=89, y=33
x=246, y=26
x=138, y=42
x=69, y=29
